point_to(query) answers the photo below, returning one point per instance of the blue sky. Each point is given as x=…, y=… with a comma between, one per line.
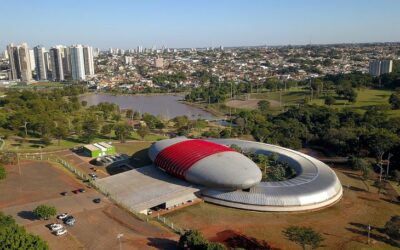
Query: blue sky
x=197, y=23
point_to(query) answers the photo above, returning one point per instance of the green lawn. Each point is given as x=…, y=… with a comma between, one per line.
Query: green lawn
x=365, y=98
x=34, y=144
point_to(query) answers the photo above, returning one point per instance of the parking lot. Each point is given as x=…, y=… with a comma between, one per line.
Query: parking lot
x=97, y=224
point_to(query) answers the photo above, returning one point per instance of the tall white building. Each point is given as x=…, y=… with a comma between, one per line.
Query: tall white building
x=380, y=67
x=25, y=62
x=88, y=59
x=13, y=58
x=386, y=66
x=56, y=58
x=32, y=58
x=20, y=62
x=67, y=61
x=40, y=62
x=77, y=63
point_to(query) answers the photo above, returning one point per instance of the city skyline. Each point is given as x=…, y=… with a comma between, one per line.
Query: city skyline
x=180, y=24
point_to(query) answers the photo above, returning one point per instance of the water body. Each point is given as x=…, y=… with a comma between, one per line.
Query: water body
x=167, y=106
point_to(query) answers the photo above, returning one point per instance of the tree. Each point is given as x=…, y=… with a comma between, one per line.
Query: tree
x=263, y=160
x=89, y=130
x=394, y=100
x=44, y=211
x=143, y=131
x=122, y=131
x=107, y=129
x=304, y=236
x=330, y=100
x=380, y=141
x=129, y=113
x=263, y=105
x=392, y=227
x=14, y=237
x=60, y=132
x=3, y=173
x=192, y=239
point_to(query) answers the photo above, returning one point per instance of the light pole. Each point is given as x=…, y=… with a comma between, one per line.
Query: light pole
x=119, y=236
x=369, y=232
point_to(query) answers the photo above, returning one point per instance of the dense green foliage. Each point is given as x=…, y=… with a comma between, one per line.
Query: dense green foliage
x=45, y=212
x=3, y=173
x=194, y=240
x=14, y=237
x=392, y=227
x=304, y=236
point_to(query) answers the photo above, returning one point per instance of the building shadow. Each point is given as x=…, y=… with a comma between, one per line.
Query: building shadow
x=28, y=215
x=162, y=243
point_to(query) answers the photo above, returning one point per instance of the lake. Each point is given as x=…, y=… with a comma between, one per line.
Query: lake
x=167, y=106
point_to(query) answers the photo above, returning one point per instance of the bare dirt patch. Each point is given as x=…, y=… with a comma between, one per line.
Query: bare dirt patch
x=343, y=225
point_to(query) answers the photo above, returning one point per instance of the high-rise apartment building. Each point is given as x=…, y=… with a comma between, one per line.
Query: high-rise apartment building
x=88, y=59
x=13, y=57
x=56, y=58
x=67, y=62
x=32, y=58
x=77, y=63
x=380, y=67
x=41, y=63
x=20, y=63
x=386, y=66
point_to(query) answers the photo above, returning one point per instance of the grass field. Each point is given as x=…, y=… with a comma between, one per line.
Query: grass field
x=342, y=225
x=365, y=99
x=35, y=144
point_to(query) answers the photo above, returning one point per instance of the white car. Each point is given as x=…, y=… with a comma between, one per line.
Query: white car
x=56, y=227
x=60, y=232
x=62, y=216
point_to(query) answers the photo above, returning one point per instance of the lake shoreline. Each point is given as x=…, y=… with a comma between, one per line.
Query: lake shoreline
x=168, y=105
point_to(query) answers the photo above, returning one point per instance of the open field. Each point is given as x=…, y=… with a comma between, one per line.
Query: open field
x=365, y=99
x=97, y=224
x=342, y=225
x=35, y=144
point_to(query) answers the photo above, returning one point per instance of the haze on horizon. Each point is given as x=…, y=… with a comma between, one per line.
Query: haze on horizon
x=180, y=23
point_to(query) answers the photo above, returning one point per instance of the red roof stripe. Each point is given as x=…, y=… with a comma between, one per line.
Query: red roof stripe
x=179, y=157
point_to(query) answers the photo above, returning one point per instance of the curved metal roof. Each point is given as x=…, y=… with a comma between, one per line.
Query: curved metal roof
x=314, y=186
x=205, y=163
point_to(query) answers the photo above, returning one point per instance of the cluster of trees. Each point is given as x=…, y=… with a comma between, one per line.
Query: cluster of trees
x=194, y=240
x=342, y=132
x=272, y=168
x=58, y=114
x=13, y=236
x=184, y=125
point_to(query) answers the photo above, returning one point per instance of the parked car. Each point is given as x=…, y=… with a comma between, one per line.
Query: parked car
x=55, y=227
x=62, y=216
x=81, y=190
x=75, y=191
x=60, y=232
x=64, y=193
x=97, y=200
x=70, y=221
x=93, y=175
